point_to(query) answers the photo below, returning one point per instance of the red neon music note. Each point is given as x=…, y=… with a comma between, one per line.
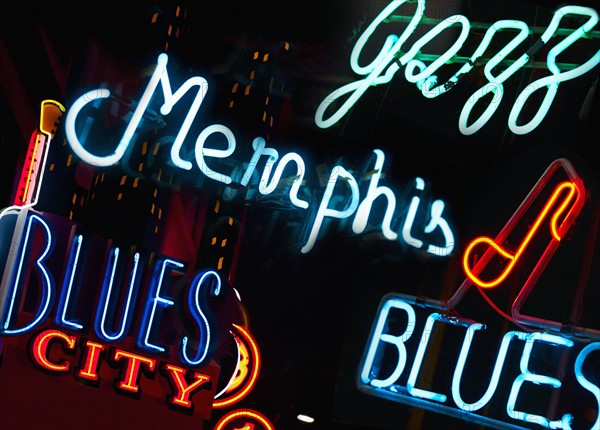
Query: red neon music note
x=494, y=246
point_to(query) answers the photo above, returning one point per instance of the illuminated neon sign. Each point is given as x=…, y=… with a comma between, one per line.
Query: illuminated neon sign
x=526, y=367
x=436, y=236
x=394, y=54
x=204, y=284
x=63, y=360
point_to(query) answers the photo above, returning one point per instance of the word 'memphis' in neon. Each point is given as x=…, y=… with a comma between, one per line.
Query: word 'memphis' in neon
x=272, y=174
x=393, y=55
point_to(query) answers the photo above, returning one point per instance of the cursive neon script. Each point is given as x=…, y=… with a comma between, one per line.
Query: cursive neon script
x=393, y=55
x=436, y=230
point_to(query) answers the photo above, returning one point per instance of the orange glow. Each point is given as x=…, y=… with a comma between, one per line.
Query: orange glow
x=183, y=389
x=89, y=370
x=241, y=414
x=133, y=369
x=513, y=258
x=40, y=348
x=254, y=358
x=31, y=167
x=50, y=114
x=243, y=367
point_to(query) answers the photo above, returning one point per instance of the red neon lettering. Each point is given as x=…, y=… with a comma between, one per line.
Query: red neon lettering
x=514, y=257
x=245, y=337
x=40, y=349
x=132, y=372
x=246, y=415
x=90, y=368
x=183, y=388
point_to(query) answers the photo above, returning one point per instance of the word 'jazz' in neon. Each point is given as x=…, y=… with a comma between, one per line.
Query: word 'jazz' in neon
x=386, y=64
x=442, y=245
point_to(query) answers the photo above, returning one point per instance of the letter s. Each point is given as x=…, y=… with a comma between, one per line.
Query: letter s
x=585, y=383
x=200, y=289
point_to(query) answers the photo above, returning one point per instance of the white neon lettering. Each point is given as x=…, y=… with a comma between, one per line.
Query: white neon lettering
x=161, y=76
x=410, y=217
x=325, y=211
x=374, y=70
x=374, y=191
x=202, y=152
x=271, y=177
x=495, y=84
x=92, y=96
x=416, y=367
x=495, y=377
x=552, y=82
x=427, y=72
x=258, y=144
x=266, y=187
x=528, y=376
x=585, y=383
x=437, y=207
x=436, y=221
x=382, y=69
x=379, y=336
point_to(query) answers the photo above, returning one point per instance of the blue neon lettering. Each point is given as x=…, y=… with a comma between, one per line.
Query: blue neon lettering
x=380, y=334
x=528, y=376
x=17, y=280
x=106, y=294
x=585, y=383
x=69, y=280
x=162, y=270
x=204, y=284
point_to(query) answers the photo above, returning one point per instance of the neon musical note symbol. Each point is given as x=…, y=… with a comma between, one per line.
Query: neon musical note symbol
x=574, y=190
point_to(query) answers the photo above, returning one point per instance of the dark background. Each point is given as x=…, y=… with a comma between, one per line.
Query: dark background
x=311, y=313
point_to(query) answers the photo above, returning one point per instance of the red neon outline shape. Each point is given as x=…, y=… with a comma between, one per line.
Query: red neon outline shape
x=251, y=381
x=513, y=258
x=239, y=413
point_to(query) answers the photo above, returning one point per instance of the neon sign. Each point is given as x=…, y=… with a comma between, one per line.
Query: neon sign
x=393, y=55
x=437, y=232
x=514, y=369
x=184, y=382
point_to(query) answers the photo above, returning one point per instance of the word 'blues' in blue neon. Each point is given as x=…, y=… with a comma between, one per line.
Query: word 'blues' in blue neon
x=392, y=363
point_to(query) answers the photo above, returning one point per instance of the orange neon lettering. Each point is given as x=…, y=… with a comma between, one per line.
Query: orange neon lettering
x=40, y=349
x=183, y=389
x=129, y=382
x=90, y=369
x=253, y=376
x=249, y=414
x=243, y=367
x=512, y=258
